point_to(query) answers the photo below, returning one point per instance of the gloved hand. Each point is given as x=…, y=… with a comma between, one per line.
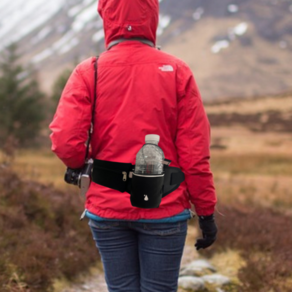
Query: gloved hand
x=209, y=231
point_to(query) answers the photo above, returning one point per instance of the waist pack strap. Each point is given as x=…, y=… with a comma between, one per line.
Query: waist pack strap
x=116, y=175
x=172, y=179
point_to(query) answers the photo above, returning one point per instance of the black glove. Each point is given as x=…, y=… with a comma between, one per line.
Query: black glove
x=209, y=230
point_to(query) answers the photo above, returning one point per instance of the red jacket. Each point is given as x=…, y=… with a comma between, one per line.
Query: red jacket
x=140, y=91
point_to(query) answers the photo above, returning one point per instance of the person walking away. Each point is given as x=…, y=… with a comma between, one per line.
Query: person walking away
x=140, y=90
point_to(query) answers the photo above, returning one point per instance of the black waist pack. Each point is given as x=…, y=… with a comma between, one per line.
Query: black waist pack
x=146, y=190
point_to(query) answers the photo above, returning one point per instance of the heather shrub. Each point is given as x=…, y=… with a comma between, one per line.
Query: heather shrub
x=264, y=238
x=41, y=237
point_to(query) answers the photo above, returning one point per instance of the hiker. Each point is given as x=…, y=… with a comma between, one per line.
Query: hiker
x=140, y=90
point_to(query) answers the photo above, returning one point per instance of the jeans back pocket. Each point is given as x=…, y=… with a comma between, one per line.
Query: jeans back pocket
x=165, y=228
x=102, y=224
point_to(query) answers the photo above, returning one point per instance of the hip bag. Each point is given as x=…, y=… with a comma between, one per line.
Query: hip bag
x=146, y=190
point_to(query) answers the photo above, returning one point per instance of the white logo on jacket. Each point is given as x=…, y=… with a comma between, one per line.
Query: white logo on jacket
x=146, y=198
x=166, y=68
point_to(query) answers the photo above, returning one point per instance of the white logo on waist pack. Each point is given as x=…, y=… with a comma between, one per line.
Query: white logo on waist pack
x=146, y=198
x=166, y=68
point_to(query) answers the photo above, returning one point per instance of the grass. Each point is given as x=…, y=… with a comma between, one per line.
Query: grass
x=255, y=179
x=229, y=263
x=265, y=191
x=40, y=165
x=252, y=164
x=251, y=106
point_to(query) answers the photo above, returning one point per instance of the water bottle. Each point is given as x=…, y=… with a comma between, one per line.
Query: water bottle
x=149, y=160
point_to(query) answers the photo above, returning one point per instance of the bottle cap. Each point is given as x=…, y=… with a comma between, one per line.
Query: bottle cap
x=152, y=138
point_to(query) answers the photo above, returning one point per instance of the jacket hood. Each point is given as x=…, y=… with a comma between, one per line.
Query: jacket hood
x=129, y=19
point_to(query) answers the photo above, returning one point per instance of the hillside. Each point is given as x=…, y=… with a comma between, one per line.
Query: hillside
x=234, y=47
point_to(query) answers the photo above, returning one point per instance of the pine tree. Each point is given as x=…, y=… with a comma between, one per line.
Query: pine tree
x=59, y=86
x=21, y=101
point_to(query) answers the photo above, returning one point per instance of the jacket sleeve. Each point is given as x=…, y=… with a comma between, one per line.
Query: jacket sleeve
x=193, y=143
x=72, y=121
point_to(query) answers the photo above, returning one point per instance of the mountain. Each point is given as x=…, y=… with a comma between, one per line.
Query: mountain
x=235, y=48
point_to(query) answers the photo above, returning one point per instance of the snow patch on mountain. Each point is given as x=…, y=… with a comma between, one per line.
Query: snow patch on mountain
x=98, y=36
x=21, y=17
x=78, y=8
x=42, y=56
x=84, y=17
x=164, y=21
x=232, y=8
x=198, y=13
x=41, y=35
x=69, y=46
x=240, y=29
x=218, y=46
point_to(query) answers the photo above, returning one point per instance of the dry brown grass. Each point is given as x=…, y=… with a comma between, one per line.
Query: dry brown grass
x=252, y=105
x=40, y=165
x=252, y=164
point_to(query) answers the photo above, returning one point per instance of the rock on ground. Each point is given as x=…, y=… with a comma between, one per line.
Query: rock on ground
x=216, y=279
x=191, y=282
x=197, y=268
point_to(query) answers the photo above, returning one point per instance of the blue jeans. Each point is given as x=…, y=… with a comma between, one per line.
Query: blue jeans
x=140, y=257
